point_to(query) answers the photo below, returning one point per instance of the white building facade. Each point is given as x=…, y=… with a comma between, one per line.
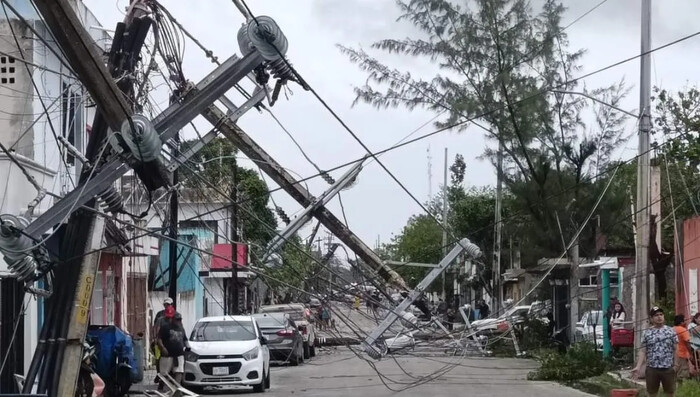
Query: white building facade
x=41, y=103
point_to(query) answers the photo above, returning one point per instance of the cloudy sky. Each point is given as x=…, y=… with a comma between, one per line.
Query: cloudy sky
x=377, y=207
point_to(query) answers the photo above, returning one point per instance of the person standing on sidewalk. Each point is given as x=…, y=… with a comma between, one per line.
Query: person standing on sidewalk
x=658, y=351
x=684, y=366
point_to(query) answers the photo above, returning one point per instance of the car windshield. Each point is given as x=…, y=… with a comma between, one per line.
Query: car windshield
x=293, y=312
x=271, y=321
x=218, y=331
x=595, y=318
x=516, y=311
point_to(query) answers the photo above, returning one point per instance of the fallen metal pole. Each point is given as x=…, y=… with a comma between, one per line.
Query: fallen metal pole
x=167, y=124
x=370, y=343
x=281, y=238
x=274, y=170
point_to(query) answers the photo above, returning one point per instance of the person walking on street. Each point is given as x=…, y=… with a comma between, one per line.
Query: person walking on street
x=658, y=351
x=684, y=367
x=356, y=304
x=325, y=317
x=173, y=343
x=158, y=321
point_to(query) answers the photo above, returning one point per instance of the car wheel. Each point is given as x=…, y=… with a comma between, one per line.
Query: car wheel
x=267, y=379
x=307, y=351
x=294, y=358
x=260, y=387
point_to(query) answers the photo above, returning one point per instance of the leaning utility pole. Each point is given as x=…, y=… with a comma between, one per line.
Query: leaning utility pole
x=641, y=312
x=444, y=223
x=497, y=298
x=234, y=309
x=56, y=361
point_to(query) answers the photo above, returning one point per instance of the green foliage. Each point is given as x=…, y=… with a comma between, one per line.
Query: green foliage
x=536, y=335
x=678, y=118
x=297, y=267
x=579, y=362
x=668, y=304
x=688, y=388
x=419, y=241
x=215, y=163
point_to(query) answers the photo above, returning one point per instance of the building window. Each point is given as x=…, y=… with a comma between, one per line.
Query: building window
x=73, y=127
x=592, y=280
x=588, y=281
x=7, y=70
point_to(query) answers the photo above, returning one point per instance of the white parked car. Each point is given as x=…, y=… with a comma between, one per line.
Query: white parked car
x=590, y=328
x=227, y=351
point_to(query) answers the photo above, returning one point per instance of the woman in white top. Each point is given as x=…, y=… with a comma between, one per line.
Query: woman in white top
x=618, y=317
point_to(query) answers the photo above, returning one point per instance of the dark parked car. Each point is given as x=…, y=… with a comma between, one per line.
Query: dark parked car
x=284, y=340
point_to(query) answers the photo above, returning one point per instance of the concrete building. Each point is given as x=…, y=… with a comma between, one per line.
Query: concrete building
x=40, y=101
x=203, y=282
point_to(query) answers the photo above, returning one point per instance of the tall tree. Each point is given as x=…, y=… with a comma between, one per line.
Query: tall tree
x=506, y=68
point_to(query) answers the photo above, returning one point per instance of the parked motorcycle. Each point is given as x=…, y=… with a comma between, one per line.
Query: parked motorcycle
x=89, y=383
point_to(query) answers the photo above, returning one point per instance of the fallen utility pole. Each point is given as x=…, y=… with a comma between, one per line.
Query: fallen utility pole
x=307, y=214
x=60, y=360
x=274, y=170
x=167, y=123
x=372, y=344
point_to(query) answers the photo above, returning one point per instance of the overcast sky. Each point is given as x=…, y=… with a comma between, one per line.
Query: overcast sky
x=376, y=206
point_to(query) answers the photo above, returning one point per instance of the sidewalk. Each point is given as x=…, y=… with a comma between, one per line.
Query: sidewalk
x=626, y=375
x=147, y=384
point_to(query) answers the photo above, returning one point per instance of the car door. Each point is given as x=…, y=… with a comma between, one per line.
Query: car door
x=263, y=347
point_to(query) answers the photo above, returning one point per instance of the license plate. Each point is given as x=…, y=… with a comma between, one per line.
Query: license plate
x=220, y=371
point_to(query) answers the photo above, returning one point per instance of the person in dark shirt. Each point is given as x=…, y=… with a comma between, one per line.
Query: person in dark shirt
x=173, y=343
x=484, y=310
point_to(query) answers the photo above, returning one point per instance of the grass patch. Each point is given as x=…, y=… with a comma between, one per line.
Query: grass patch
x=580, y=361
x=602, y=385
x=689, y=388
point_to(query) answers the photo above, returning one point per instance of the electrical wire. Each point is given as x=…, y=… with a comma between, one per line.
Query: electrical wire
x=355, y=136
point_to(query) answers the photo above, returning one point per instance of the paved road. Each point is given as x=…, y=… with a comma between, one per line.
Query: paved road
x=341, y=373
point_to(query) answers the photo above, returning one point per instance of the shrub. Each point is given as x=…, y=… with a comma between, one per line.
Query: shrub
x=536, y=335
x=579, y=362
x=688, y=388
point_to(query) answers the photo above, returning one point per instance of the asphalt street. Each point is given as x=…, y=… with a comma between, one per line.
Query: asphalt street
x=339, y=372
